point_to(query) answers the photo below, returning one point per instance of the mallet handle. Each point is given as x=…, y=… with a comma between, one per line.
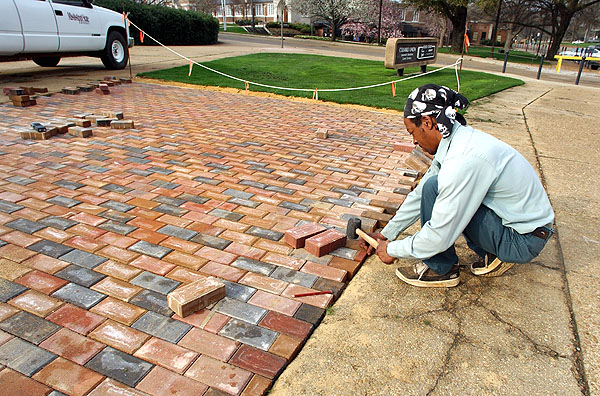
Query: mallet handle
x=371, y=241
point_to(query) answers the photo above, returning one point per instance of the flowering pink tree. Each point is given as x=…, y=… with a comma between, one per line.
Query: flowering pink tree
x=366, y=20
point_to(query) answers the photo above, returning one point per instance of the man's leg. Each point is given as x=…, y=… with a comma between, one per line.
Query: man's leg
x=441, y=263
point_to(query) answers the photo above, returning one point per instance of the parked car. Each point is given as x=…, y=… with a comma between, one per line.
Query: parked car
x=48, y=30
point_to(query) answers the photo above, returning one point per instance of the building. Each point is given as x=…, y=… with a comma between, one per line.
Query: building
x=481, y=30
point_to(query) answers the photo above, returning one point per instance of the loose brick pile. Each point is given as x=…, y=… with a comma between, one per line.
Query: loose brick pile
x=94, y=233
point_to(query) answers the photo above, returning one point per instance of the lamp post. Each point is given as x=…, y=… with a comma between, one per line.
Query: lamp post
x=379, y=26
x=224, y=16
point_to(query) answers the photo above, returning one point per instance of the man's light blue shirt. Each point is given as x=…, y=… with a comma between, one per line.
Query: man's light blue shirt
x=473, y=168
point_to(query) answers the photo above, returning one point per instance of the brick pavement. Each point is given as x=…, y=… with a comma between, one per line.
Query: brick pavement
x=94, y=233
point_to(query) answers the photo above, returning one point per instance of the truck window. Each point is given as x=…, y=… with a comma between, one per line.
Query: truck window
x=70, y=2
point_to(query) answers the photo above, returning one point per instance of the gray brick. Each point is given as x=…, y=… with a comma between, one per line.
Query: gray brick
x=225, y=214
x=254, y=184
x=26, y=226
x=178, y=232
x=81, y=276
x=282, y=190
x=304, y=255
x=240, y=310
x=23, y=181
x=264, y=233
x=249, y=334
x=29, y=327
x=237, y=291
x=56, y=393
x=58, y=222
x=344, y=252
x=193, y=198
x=51, y=165
x=178, y=163
x=363, y=189
x=302, y=172
x=116, y=205
x=150, y=249
x=68, y=184
x=116, y=216
x=161, y=326
x=295, y=277
x=345, y=191
x=334, y=169
x=94, y=168
x=50, y=248
x=337, y=201
x=58, y=154
x=254, y=265
x=116, y=188
x=402, y=190
x=238, y=194
x=212, y=241
x=295, y=206
x=169, y=200
x=117, y=227
x=24, y=357
x=9, y=207
x=310, y=313
x=212, y=155
x=207, y=180
x=63, y=201
x=377, y=173
x=79, y=295
x=292, y=180
x=119, y=366
x=353, y=198
x=218, y=166
x=152, y=301
x=171, y=210
x=154, y=282
x=9, y=289
x=244, y=202
x=160, y=170
x=83, y=259
x=165, y=184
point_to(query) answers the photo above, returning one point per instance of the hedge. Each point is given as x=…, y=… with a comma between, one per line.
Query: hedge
x=301, y=27
x=168, y=25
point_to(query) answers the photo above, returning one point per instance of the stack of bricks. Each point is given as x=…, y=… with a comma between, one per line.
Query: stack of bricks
x=19, y=97
x=315, y=238
x=70, y=91
x=122, y=124
x=39, y=135
x=103, y=89
x=195, y=296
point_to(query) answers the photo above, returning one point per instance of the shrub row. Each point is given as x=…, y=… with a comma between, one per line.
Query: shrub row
x=168, y=25
x=491, y=42
x=301, y=27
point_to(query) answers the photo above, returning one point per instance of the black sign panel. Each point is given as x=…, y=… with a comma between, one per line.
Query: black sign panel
x=414, y=52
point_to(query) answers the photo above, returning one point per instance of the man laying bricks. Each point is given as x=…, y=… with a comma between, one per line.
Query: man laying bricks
x=477, y=186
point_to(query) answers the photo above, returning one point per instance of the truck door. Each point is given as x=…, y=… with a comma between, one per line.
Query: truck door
x=79, y=26
x=39, y=26
x=11, y=35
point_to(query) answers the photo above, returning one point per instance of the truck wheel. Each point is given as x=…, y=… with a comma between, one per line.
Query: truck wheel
x=115, y=55
x=47, y=61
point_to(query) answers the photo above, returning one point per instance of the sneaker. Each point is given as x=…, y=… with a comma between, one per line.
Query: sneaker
x=421, y=275
x=490, y=266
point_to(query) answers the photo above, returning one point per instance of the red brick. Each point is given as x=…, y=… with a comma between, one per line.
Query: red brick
x=209, y=344
x=217, y=255
x=324, y=243
x=257, y=361
x=152, y=264
x=405, y=147
x=75, y=318
x=296, y=237
x=41, y=281
x=219, y=375
x=226, y=272
x=72, y=346
x=161, y=382
x=350, y=266
x=68, y=377
x=110, y=387
x=195, y=296
x=285, y=324
x=167, y=355
x=275, y=303
x=284, y=261
x=119, y=336
x=118, y=310
x=14, y=383
x=325, y=271
x=285, y=346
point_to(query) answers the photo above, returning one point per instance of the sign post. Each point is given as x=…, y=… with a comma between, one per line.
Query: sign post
x=410, y=52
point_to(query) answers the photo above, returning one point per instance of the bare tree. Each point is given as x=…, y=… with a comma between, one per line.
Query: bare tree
x=335, y=13
x=206, y=6
x=454, y=10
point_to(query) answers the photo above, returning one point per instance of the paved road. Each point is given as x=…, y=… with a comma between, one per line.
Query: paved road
x=78, y=70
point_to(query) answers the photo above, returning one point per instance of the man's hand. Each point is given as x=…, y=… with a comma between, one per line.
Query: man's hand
x=375, y=235
x=382, y=252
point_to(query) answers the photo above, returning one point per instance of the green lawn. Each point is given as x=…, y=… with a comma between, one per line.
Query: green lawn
x=515, y=56
x=315, y=71
x=233, y=29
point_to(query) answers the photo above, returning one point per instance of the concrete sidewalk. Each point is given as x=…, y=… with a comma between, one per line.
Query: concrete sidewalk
x=532, y=331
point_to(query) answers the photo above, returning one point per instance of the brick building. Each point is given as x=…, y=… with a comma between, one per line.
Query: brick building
x=481, y=30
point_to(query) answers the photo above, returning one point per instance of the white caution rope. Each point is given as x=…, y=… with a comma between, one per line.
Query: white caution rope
x=455, y=65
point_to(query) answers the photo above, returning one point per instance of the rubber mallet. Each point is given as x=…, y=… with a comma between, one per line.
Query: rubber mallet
x=353, y=231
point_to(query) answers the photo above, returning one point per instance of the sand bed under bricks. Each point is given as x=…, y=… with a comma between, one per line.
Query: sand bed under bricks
x=94, y=233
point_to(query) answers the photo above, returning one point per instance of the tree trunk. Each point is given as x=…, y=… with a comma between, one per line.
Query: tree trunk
x=459, y=22
x=508, y=41
x=558, y=35
x=333, y=31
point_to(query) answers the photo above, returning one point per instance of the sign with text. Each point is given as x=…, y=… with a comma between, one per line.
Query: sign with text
x=410, y=52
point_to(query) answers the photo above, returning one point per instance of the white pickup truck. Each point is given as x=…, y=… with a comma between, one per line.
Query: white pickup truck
x=47, y=30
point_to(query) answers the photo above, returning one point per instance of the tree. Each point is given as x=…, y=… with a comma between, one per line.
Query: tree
x=558, y=15
x=334, y=13
x=366, y=20
x=454, y=10
x=206, y=6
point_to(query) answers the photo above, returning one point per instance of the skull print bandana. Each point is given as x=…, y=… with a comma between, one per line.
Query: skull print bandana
x=439, y=102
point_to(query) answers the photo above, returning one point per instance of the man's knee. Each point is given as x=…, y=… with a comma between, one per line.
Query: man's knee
x=430, y=187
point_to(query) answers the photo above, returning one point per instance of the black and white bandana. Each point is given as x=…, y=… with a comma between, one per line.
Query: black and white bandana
x=437, y=101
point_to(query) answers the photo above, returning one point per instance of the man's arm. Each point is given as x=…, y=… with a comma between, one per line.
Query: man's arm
x=410, y=210
x=462, y=185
